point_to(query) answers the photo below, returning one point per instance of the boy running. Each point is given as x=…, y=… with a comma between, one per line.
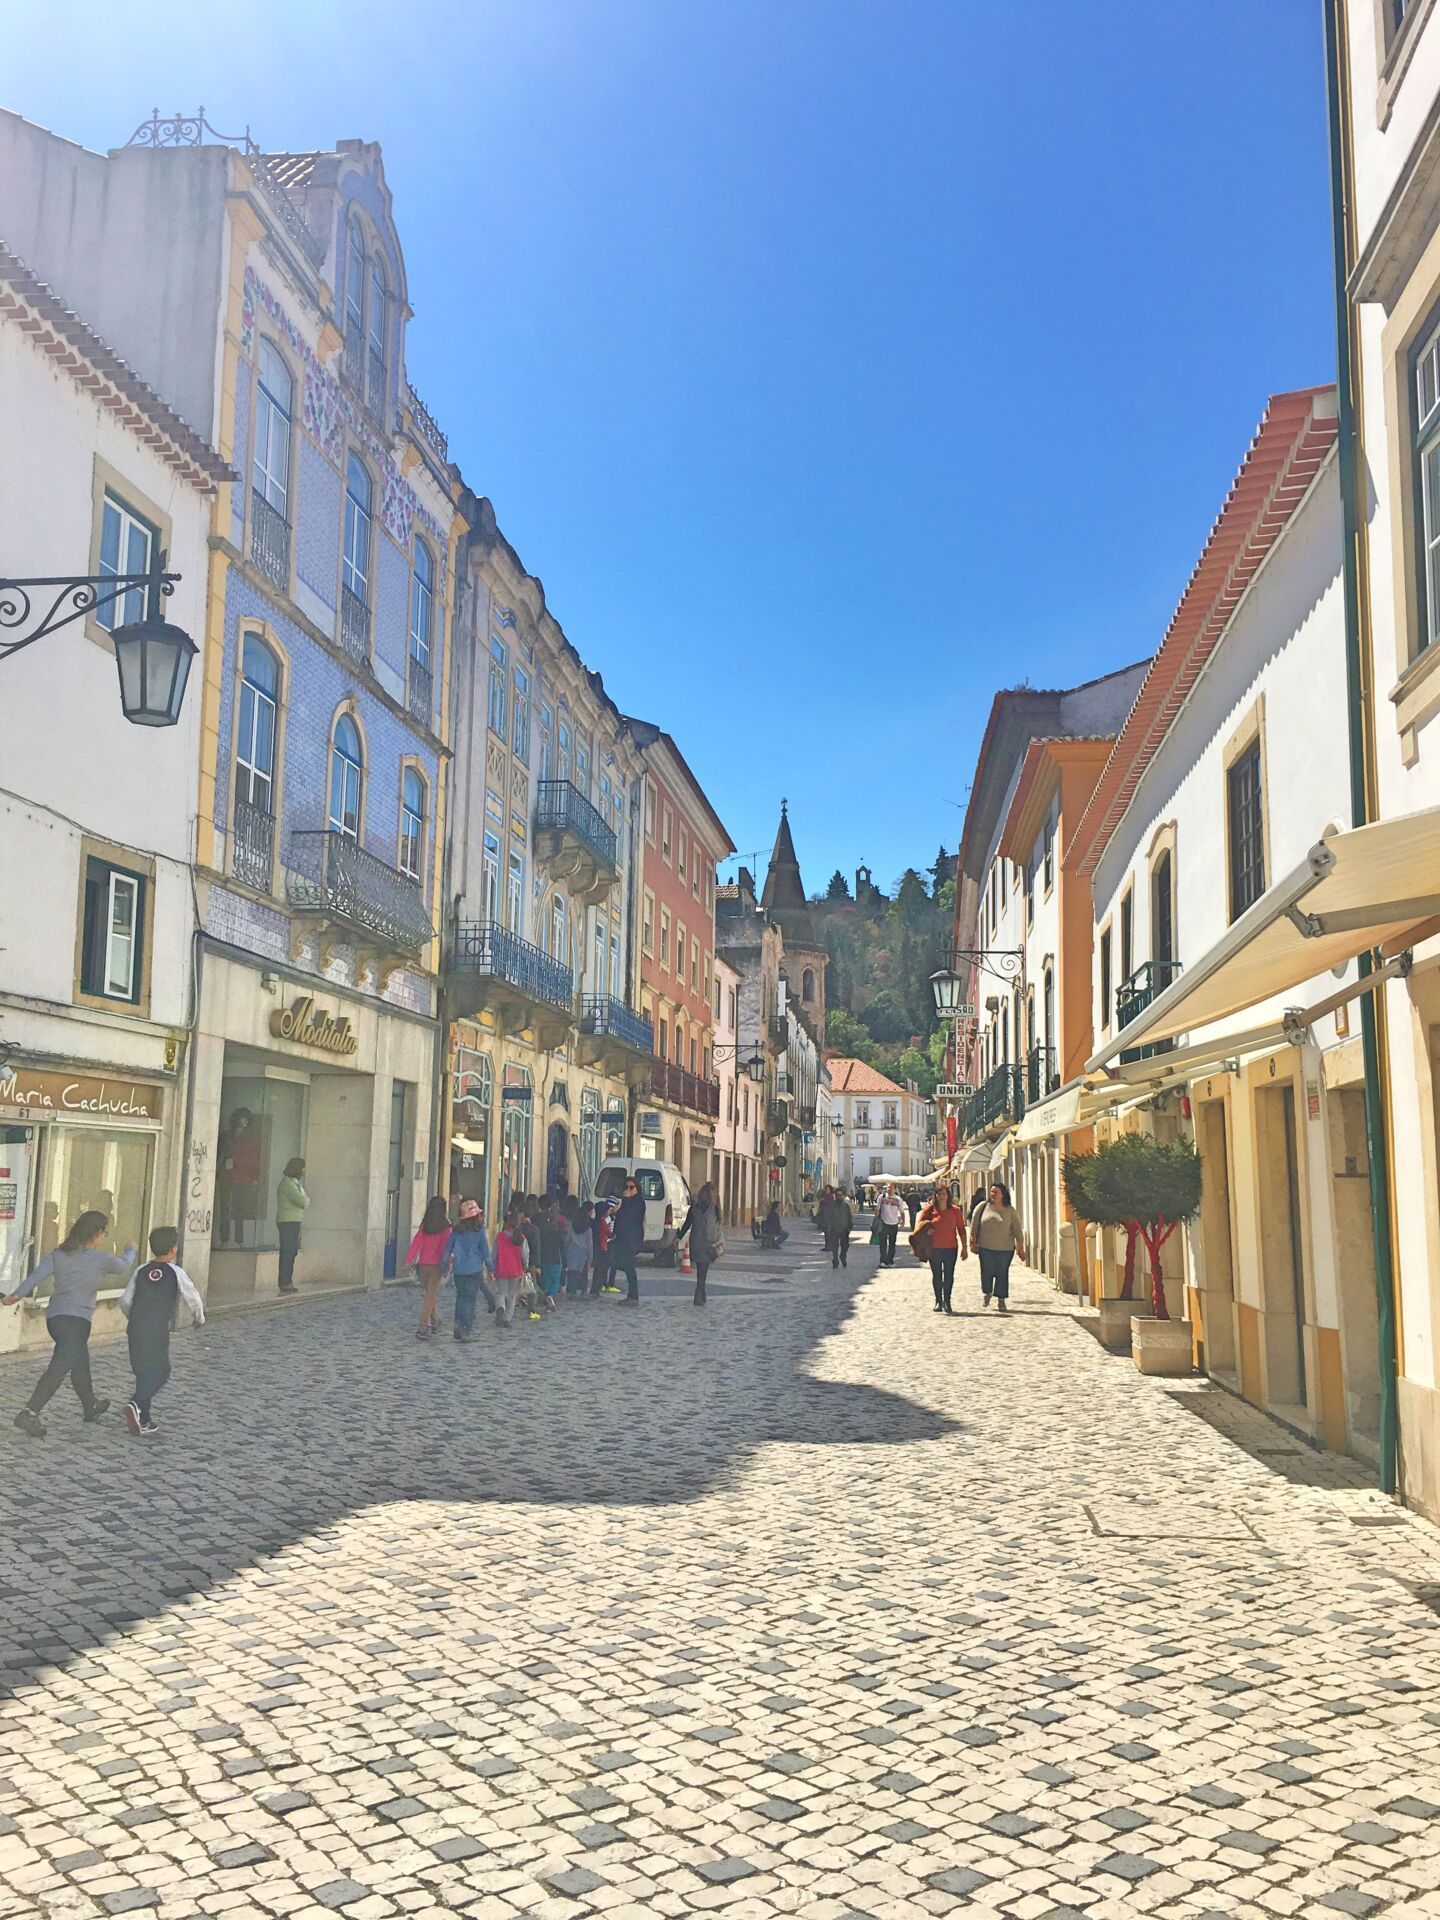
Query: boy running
x=149, y=1303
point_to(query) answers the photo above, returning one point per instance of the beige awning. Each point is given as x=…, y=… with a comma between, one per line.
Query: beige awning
x=1076, y=1105
x=1368, y=887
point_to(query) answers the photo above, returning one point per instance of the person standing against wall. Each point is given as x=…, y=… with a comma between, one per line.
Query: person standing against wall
x=998, y=1238
x=291, y=1202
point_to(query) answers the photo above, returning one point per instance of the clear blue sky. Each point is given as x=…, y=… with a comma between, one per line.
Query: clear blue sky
x=831, y=361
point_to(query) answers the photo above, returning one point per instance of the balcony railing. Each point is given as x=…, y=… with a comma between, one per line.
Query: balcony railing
x=376, y=394
x=1041, y=1075
x=684, y=1089
x=420, y=691
x=352, y=361
x=269, y=540
x=486, y=948
x=427, y=427
x=562, y=808
x=610, y=1019
x=1001, y=1097
x=252, y=854
x=334, y=875
x=355, y=627
x=1134, y=995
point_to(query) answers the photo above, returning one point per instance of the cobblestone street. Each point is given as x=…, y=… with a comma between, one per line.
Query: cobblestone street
x=813, y=1603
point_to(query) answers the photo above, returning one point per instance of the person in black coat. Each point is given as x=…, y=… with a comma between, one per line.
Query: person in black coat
x=627, y=1239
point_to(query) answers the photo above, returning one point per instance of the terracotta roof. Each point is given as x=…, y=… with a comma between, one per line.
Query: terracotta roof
x=1290, y=445
x=78, y=350
x=856, y=1076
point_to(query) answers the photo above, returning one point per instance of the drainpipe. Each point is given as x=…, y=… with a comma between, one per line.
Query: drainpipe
x=1358, y=676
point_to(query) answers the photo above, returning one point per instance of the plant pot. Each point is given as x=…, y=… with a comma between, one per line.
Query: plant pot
x=1162, y=1346
x=1115, y=1318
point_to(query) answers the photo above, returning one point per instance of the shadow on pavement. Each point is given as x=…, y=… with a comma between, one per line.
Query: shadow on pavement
x=1284, y=1453
x=279, y=1424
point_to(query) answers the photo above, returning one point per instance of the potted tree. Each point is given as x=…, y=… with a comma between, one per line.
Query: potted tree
x=1150, y=1188
x=1091, y=1199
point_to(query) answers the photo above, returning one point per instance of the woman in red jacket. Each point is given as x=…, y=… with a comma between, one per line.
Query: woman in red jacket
x=945, y=1224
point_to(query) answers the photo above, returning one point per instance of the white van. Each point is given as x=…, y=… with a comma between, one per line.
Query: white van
x=666, y=1194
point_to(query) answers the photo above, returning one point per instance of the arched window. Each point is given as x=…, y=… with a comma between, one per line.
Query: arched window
x=422, y=604
x=354, y=281
x=1162, y=916
x=412, y=823
x=274, y=411
x=355, y=569
x=347, y=778
x=255, y=729
x=379, y=325
x=807, y=984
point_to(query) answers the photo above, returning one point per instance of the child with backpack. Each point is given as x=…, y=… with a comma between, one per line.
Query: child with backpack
x=149, y=1303
x=509, y=1268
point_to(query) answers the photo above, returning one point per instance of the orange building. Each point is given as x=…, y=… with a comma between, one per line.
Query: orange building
x=682, y=841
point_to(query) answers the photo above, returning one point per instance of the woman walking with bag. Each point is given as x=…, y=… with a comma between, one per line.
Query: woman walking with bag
x=998, y=1238
x=943, y=1225
x=707, y=1242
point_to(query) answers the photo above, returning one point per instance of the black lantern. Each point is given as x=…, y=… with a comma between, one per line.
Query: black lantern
x=755, y=1067
x=947, y=987
x=153, y=658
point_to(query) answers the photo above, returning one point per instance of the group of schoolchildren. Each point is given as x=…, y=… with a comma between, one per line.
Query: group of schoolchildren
x=547, y=1247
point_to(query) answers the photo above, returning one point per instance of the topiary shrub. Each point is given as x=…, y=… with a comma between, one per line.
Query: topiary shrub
x=1156, y=1187
x=1091, y=1200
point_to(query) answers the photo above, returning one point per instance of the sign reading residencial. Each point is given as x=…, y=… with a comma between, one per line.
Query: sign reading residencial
x=307, y=1027
x=78, y=1093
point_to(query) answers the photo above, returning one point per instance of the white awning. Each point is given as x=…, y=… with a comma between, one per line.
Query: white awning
x=1081, y=1101
x=1363, y=888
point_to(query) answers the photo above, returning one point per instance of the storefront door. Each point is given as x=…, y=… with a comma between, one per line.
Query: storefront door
x=395, y=1173
x=557, y=1159
x=17, y=1159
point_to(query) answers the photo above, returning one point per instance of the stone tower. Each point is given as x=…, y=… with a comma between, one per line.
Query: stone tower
x=804, y=957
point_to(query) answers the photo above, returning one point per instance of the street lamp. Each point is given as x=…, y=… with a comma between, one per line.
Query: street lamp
x=947, y=987
x=152, y=657
x=754, y=1066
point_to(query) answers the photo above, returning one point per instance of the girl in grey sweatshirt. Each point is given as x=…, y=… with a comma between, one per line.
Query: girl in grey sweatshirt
x=79, y=1267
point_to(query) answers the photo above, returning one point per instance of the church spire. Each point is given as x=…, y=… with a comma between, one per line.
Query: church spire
x=784, y=895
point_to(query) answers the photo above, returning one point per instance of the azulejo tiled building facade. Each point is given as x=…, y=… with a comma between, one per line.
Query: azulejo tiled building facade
x=409, y=946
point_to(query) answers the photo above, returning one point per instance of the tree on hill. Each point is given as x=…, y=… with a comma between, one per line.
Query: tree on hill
x=839, y=887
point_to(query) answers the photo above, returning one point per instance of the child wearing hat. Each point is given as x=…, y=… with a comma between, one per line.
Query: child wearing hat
x=467, y=1257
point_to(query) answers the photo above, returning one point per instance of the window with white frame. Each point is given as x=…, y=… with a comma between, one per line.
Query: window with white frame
x=112, y=932
x=515, y=888
x=347, y=779
x=422, y=605
x=547, y=739
x=490, y=876
x=602, y=949
x=665, y=938
x=355, y=562
x=647, y=924
x=520, y=714
x=582, y=764
x=412, y=823
x=559, y=929
x=354, y=280
x=378, y=332
x=563, y=738
x=274, y=416
x=499, y=673
x=255, y=728
x=127, y=545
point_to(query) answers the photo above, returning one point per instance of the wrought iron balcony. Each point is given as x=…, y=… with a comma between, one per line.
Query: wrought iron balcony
x=332, y=875
x=1134, y=995
x=355, y=627
x=779, y=1030
x=420, y=691
x=269, y=540
x=252, y=852
x=562, y=808
x=487, y=952
x=682, y=1089
x=1041, y=1075
x=610, y=1019
x=352, y=361
x=1000, y=1097
x=426, y=427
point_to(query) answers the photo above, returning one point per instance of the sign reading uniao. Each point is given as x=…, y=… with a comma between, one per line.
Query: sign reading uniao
x=301, y=1023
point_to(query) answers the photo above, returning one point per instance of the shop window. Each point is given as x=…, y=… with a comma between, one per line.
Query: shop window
x=91, y=1167
x=262, y=1125
x=127, y=545
x=112, y=943
x=515, y=1135
x=470, y=1126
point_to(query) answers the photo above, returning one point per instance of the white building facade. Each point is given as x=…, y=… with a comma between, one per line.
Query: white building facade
x=884, y=1127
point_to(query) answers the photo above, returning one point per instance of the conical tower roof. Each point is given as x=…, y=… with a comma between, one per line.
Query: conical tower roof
x=784, y=895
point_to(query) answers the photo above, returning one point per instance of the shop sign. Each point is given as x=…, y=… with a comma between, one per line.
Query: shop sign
x=301, y=1023
x=615, y=1112
x=78, y=1093
x=517, y=1096
x=649, y=1123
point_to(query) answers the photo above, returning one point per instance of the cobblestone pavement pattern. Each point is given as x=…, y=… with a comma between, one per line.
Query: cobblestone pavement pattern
x=811, y=1603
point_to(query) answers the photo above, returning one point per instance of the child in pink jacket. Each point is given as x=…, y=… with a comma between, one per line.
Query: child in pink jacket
x=427, y=1258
